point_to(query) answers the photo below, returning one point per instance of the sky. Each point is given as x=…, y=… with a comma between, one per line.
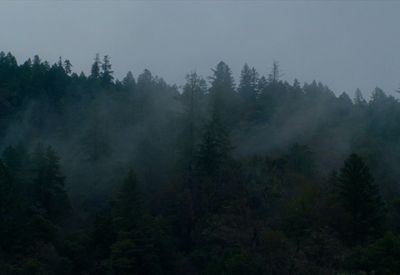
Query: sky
x=345, y=45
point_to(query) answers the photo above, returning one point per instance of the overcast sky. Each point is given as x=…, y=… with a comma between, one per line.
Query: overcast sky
x=344, y=45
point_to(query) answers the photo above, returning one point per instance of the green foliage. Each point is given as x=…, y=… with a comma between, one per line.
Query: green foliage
x=223, y=100
x=380, y=257
x=228, y=180
x=107, y=73
x=128, y=205
x=49, y=184
x=215, y=148
x=248, y=84
x=360, y=197
x=33, y=203
x=95, y=71
x=129, y=82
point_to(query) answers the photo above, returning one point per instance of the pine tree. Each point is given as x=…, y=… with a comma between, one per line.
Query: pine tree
x=223, y=97
x=262, y=86
x=95, y=71
x=359, y=98
x=215, y=148
x=134, y=243
x=344, y=103
x=129, y=82
x=213, y=160
x=144, y=86
x=378, y=96
x=67, y=67
x=106, y=74
x=49, y=184
x=192, y=97
x=36, y=61
x=275, y=74
x=360, y=198
x=145, y=78
x=248, y=84
x=15, y=217
x=5, y=190
x=128, y=204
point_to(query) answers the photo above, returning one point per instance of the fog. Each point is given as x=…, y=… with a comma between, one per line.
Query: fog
x=345, y=45
x=199, y=137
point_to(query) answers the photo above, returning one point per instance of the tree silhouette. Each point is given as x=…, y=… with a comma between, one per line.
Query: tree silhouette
x=360, y=197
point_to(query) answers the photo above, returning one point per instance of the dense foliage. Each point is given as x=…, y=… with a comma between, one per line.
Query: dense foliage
x=102, y=176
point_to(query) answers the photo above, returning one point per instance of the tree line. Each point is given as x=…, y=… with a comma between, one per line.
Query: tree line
x=136, y=176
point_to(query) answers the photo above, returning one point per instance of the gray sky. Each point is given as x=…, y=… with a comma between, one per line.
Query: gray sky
x=342, y=44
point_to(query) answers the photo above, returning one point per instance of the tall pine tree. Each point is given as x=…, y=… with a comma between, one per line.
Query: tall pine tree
x=360, y=198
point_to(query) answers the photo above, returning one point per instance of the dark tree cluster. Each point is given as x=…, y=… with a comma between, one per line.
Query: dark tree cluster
x=214, y=177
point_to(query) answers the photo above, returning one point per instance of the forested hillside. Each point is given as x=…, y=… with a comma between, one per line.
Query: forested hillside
x=220, y=176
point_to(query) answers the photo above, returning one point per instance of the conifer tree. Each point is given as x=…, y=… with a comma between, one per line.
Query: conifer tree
x=193, y=95
x=360, y=198
x=223, y=97
x=215, y=147
x=248, y=84
x=134, y=243
x=213, y=161
x=95, y=70
x=67, y=67
x=106, y=74
x=128, y=204
x=49, y=184
x=5, y=190
x=129, y=82
x=275, y=74
x=359, y=98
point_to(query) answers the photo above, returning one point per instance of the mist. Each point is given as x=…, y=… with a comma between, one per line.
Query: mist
x=199, y=138
x=344, y=45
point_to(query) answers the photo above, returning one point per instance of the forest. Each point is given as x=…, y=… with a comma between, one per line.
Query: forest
x=219, y=176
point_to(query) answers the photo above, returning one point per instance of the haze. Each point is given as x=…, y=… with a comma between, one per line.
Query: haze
x=344, y=45
x=196, y=162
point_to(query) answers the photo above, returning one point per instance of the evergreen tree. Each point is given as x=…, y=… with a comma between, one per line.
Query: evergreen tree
x=106, y=74
x=13, y=214
x=360, y=198
x=215, y=147
x=223, y=97
x=5, y=194
x=193, y=96
x=275, y=74
x=36, y=61
x=262, y=86
x=128, y=204
x=145, y=86
x=132, y=253
x=248, y=84
x=194, y=91
x=378, y=96
x=345, y=104
x=67, y=67
x=49, y=184
x=129, y=82
x=95, y=71
x=213, y=161
x=60, y=63
x=145, y=78
x=359, y=99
